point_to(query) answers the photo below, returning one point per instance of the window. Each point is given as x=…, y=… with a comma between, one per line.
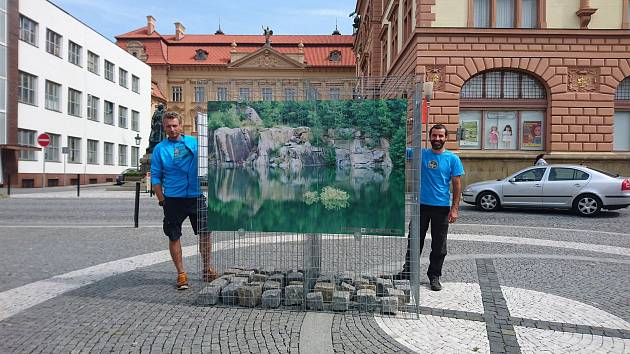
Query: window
x=567, y=174
x=200, y=93
x=502, y=110
x=502, y=85
x=503, y=13
x=289, y=94
x=26, y=138
x=335, y=93
x=222, y=94
x=74, y=102
x=122, y=117
x=92, y=107
x=92, y=152
x=623, y=90
x=501, y=130
x=122, y=77
x=533, y=175
x=108, y=153
x=529, y=13
x=74, y=53
x=201, y=54
x=51, y=152
x=135, y=120
x=109, y=71
x=135, y=84
x=176, y=93
x=28, y=30
x=74, y=149
x=621, y=119
x=334, y=55
x=53, y=96
x=92, y=63
x=267, y=94
x=243, y=94
x=108, y=116
x=134, y=156
x=53, y=42
x=27, y=88
x=621, y=131
x=122, y=155
x=532, y=128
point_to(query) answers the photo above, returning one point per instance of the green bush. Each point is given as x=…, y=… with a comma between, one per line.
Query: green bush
x=334, y=199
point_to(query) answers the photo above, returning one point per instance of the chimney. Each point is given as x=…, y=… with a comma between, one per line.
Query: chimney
x=179, y=31
x=150, y=25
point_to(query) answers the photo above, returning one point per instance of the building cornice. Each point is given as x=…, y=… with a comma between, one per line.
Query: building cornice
x=518, y=32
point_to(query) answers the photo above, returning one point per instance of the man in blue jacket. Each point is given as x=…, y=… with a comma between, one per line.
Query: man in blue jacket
x=174, y=178
x=440, y=169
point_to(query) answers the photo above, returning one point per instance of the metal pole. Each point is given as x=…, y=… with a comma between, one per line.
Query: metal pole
x=9, y=184
x=137, y=206
x=43, y=170
x=414, y=229
x=78, y=185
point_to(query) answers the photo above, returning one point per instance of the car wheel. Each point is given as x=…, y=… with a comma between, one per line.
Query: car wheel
x=488, y=201
x=587, y=205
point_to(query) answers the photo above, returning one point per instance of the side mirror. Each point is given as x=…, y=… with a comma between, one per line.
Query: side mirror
x=512, y=180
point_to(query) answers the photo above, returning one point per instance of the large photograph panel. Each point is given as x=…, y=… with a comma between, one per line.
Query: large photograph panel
x=307, y=166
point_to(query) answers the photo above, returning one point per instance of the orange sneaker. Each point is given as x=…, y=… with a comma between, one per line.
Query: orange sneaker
x=182, y=281
x=209, y=275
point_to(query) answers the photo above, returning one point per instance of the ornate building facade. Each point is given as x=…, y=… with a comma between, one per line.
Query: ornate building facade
x=513, y=78
x=189, y=70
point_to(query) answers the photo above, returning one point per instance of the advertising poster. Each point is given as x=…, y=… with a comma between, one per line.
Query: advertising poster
x=470, y=133
x=532, y=134
x=307, y=166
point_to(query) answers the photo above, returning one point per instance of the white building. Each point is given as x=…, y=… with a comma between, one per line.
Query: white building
x=85, y=92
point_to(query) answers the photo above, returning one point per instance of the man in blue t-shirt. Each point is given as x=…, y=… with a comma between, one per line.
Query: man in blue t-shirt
x=175, y=183
x=440, y=168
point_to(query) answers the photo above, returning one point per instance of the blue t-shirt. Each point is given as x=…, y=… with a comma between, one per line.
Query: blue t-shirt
x=174, y=166
x=437, y=170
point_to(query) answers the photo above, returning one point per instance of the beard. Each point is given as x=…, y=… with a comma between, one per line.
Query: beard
x=437, y=144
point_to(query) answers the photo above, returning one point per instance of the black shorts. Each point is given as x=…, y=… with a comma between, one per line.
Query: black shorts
x=176, y=210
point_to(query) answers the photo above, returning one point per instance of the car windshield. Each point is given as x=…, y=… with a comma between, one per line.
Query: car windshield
x=609, y=174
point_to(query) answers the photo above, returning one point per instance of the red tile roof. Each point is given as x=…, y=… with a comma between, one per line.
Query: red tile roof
x=164, y=49
x=156, y=92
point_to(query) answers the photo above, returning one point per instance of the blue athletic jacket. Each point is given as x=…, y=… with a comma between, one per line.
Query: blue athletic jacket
x=176, y=170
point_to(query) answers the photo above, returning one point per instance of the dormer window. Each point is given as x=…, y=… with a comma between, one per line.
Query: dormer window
x=335, y=55
x=201, y=54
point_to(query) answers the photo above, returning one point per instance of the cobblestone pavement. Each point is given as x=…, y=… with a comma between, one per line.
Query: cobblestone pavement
x=75, y=276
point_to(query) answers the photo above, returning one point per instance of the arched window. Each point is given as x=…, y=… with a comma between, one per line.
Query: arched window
x=334, y=55
x=502, y=110
x=621, y=120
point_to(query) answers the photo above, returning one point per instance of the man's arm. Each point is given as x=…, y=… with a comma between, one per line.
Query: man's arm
x=156, y=175
x=159, y=194
x=457, y=191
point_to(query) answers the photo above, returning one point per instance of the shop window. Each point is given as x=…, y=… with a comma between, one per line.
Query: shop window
x=502, y=110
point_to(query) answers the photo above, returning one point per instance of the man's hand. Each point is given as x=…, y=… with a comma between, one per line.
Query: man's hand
x=452, y=215
x=161, y=202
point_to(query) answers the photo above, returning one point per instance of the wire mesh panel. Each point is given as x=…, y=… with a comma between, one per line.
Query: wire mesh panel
x=309, y=190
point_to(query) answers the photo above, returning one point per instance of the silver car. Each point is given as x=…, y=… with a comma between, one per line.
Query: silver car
x=583, y=189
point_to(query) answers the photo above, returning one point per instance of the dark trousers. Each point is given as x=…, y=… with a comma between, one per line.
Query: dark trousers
x=437, y=216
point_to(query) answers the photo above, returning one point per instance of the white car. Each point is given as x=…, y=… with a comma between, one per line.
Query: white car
x=583, y=189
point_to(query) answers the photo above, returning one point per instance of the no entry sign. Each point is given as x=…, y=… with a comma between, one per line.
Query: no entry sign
x=43, y=139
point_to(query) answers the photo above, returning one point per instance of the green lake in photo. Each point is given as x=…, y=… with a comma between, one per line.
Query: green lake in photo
x=273, y=200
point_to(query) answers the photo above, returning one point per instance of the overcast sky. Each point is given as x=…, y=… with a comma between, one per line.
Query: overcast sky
x=114, y=17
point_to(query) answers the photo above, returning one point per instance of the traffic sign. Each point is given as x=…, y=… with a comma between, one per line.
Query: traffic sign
x=43, y=139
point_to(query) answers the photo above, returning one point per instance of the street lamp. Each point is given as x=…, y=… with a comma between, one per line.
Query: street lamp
x=138, y=140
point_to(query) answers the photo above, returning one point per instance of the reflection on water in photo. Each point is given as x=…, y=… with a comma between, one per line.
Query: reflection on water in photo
x=313, y=200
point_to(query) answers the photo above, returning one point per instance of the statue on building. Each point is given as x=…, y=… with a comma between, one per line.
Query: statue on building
x=157, y=133
x=267, y=33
